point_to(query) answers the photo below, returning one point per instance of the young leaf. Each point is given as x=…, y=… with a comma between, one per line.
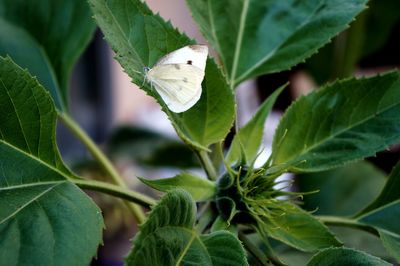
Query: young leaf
x=44, y=219
x=199, y=188
x=390, y=192
x=345, y=256
x=139, y=38
x=248, y=139
x=385, y=220
x=219, y=224
x=168, y=238
x=257, y=37
x=47, y=37
x=343, y=122
x=299, y=229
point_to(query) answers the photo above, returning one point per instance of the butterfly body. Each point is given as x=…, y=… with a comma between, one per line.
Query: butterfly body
x=177, y=77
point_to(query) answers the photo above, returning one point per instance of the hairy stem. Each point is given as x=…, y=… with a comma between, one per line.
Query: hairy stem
x=346, y=222
x=208, y=165
x=117, y=191
x=102, y=159
x=253, y=250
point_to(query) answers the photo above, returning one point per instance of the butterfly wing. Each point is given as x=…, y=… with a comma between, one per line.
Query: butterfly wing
x=178, y=75
x=179, y=85
x=195, y=55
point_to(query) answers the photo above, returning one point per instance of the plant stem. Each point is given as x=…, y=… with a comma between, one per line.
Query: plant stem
x=102, y=159
x=205, y=217
x=93, y=148
x=116, y=191
x=253, y=250
x=347, y=48
x=219, y=149
x=346, y=222
x=207, y=164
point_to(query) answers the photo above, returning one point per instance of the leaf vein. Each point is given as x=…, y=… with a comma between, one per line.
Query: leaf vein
x=28, y=203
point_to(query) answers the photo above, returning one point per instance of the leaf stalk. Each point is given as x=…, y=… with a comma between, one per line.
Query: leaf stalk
x=346, y=222
x=102, y=159
x=117, y=191
x=208, y=165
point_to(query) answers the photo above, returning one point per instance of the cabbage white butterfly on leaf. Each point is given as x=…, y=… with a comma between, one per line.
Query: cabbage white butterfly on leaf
x=177, y=77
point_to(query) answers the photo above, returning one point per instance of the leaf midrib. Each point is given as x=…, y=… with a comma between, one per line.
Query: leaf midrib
x=213, y=30
x=186, y=249
x=16, y=114
x=378, y=209
x=51, y=167
x=332, y=136
x=239, y=41
x=194, y=236
x=28, y=185
x=30, y=201
x=122, y=32
x=273, y=51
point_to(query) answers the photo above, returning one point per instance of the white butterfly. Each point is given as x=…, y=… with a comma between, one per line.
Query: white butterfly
x=177, y=76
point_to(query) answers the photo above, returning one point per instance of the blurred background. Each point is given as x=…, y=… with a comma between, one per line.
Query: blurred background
x=140, y=140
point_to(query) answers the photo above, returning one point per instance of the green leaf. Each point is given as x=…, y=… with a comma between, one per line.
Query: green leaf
x=257, y=37
x=341, y=191
x=390, y=192
x=25, y=50
x=299, y=229
x=168, y=238
x=391, y=243
x=386, y=206
x=47, y=37
x=360, y=240
x=199, y=188
x=219, y=224
x=44, y=219
x=342, y=122
x=139, y=38
x=248, y=139
x=345, y=257
x=385, y=220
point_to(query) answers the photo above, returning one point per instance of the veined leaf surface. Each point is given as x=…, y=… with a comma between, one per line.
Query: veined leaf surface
x=168, y=238
x=342, y=122
x=44, y=218
x=255, y=37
